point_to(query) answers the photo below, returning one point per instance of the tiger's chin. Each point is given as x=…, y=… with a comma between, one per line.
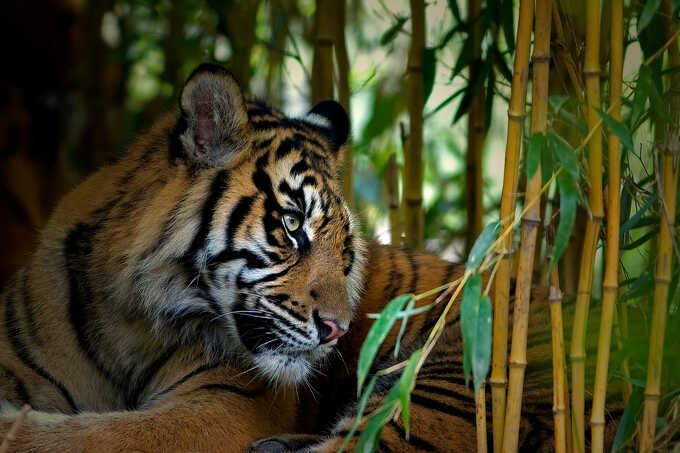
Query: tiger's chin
x=286, y=369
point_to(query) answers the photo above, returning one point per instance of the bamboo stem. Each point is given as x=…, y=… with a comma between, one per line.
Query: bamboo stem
x=530, y=223
x=671, y=148
x=591, y=72
x=392, y=186
x=413, y=165
x=559, y=375
x=480, y=419
x=342, y=59
x=475, y=134
x=322, y=67
x=520, y=77
x=611, y=273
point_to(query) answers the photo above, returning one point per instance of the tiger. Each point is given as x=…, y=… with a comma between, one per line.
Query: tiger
x=193, y=294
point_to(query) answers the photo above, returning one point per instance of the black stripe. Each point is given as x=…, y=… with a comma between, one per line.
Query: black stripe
x=218, y=186
x=20, y=349
x=133, y=397
x=442, y=407
x=238, y=214
x=233, y=389
x=28, y=309
x=414, y=272
x=197, y=371
x=446, y=392
x=416, y=441
x=19, y=387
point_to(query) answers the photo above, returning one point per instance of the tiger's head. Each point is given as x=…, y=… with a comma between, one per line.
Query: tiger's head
x=268, y=261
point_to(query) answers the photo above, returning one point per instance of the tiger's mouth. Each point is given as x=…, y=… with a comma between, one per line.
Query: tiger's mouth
x=283, y=352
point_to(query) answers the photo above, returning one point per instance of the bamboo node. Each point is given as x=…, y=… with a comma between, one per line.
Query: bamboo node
x=518, y=117
x=541, y=58
x=558, y=410
x=652, y=396
x=610, y=288
x=531, y=222
x=555, y=295
x=663, y=280
x=591, y=73
x=517, y=364
x=413, y=201
x=597, y=423
x=577, y=357
x=498, y=382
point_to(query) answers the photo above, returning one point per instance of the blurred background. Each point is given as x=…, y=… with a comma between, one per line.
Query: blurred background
x=84, y=77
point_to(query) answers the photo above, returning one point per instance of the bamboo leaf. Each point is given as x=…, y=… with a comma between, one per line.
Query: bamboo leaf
x=481, y=245
x=481, y=357
x=565, y=155
x=508, y=23
x=629, y=419
x=500, y=63
x=455, y=11
x=568, y=203
x=469, y=314
x=647, y=85
x=547, y=164
x=537, y=143
x=651, y=6
x=370, y=436
x=618, y=129
x=632, y=222
x=376, y=335
x=392, y=32
x=402, y=329
x=360, y=412
x=464, y=58
x=406, y=383
x=429, y=69
x=641, y=240
x=446, y=102
x=488, y=99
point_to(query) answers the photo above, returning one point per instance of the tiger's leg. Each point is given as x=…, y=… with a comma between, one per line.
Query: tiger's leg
x=206, y=413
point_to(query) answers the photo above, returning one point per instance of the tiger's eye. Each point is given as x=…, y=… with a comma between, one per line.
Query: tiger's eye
x=292, y=222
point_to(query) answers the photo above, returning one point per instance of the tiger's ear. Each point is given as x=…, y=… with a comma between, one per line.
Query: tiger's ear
x=330, y=118
x=214, y=116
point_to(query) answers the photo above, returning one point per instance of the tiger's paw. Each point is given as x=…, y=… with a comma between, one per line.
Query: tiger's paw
x=286, y=443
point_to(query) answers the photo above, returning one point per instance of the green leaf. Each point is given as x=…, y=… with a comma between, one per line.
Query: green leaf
x=557, y=102
x=565, y=155
x=618, y=129
x=639, y=241
x=392, y=32
x=632, y=222
x=464, y=58
x=651, y=6
x=547, y=164
x=568, y=203
x=631, y=414
x=488, y=99
x=446, y=102
x=508, y=23
x=455, y=11
x=370, y=436
x=406, y=383
x=360, y=412
x=429, y=69
x=481, y=354
x=473, y=88
x=537, y=143
x=646, y=83
x=402, y=329
x=469, y=313
x=376, y=335
x=479, y=248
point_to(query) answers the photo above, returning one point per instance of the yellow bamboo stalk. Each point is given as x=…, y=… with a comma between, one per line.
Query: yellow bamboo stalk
x=559, y=375
x=664, y=262
x=392, y=188
x=342, y=58
x=530, y=223
x=322, y=67
x=480, y=419
x=621, y=331
x=475, y=134
x=611, y=272
x=413, y=171
x=591, y=72
x=520, y=77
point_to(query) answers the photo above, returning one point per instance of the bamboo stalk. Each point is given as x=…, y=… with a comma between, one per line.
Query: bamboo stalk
x=591, y=72
x=664, y=261
x=498, y=379
x=611, y=273
x=475, y=134
x=392, y=187
x=480, y=419
x=342, y=58
x=413, y=171
x=559, y=375
x=322, y=67
x=530, y=223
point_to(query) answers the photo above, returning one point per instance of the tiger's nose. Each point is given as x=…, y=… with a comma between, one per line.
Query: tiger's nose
x=329, y=329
